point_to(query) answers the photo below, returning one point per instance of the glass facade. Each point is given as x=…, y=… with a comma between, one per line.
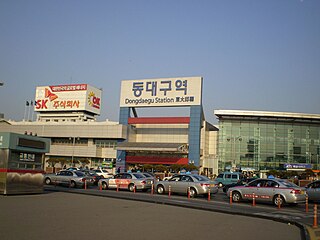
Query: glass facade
x=268, y=144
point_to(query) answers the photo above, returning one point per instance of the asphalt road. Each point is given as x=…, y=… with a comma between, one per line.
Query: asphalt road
x=58, y=215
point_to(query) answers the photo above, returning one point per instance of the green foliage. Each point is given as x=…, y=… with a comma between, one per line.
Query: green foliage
x=160, y=168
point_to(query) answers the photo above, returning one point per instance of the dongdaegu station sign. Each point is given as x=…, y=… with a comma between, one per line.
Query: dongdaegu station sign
x=161, y=92
x=72, y=97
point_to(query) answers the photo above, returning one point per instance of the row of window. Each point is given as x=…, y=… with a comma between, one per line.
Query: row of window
x=83, y=141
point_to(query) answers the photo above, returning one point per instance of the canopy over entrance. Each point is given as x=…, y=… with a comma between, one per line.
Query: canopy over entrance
x=153, y=147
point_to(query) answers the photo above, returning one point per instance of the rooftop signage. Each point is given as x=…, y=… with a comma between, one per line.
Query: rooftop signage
x=72, y=97
x=161, y=92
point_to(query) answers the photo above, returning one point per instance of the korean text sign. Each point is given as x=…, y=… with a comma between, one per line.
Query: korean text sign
x=162, y=92
x=75, y=97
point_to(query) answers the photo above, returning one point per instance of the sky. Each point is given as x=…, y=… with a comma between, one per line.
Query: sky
x=252, y=55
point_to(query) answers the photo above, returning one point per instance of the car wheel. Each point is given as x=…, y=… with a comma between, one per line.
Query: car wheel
x=220, y=185
x=160, y=189
x=236, y=196
x=47, y=181
x=278, y=200
x=131, y=187
x=72, y=184
x=193, y=192
x=104, y=185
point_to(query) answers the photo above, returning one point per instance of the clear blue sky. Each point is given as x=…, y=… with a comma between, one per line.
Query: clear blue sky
x=253, y=55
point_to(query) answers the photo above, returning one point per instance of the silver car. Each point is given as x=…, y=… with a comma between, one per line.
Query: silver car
x=182, y=183
x=276, y=191
x=128, y=181
x=313, y=191
x=68, y=178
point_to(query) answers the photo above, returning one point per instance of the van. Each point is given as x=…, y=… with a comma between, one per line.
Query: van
x=226, y=178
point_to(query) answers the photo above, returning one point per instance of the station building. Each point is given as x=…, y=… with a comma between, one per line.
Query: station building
x=166, y=140
x=262, y=141
x=67, y=116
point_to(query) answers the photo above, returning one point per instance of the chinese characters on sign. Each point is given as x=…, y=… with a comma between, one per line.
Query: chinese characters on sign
x=161, y=92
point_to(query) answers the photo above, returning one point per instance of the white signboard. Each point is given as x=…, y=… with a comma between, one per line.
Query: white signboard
x=72, y=97
x=161, y=92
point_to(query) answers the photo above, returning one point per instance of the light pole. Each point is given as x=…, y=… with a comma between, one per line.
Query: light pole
x=1, y=114
x=73, y=144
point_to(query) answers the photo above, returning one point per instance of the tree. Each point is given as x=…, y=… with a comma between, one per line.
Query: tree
x=160, y=168
x=52, y=161
x=147, y=167
x=83, y=162
x=175, y=167
x=190, y=167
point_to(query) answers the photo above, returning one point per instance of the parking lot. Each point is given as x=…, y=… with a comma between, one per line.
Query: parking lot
x=57, y=215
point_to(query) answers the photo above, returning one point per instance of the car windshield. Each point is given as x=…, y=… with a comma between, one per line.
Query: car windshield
x=138, y=175
x=201, y=178
x=147, y=174
x=79, y=174
x=287, y=183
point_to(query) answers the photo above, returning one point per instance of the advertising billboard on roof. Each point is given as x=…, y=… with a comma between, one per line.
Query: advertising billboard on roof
x=70, y=97
x=161, y=92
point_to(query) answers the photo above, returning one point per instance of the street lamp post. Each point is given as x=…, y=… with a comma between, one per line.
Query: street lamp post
x=73, y=145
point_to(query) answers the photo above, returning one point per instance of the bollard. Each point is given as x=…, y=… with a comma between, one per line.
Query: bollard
x=307, y=203
x=85, y=184
x=100, y=187
x=169, y=191
x=117, y=187
x=279, y=203
x=253, y=200
x=230, y=197
x=188, y=192
x=209, y=195
x=315, y=216
x=152, y=188
x=134, y=188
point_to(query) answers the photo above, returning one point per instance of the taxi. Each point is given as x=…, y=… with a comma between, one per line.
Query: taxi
x=191, y=184
x=276, y=191
x=129, y=181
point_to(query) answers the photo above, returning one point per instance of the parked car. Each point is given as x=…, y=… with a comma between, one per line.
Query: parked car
x=313, y=191
x=241, y=182
x=276, y=191
x=73, y=169
x=226, y=178
x=103, y=173
x=126, y=181
x=150, y=176
x=68, y=178
x=93, y=174
x=181, y=183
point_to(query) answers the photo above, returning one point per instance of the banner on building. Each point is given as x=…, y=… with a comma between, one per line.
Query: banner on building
x=72, y=97
x=161, y=92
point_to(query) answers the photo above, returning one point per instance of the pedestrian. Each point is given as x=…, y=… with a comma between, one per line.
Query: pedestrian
x=118, y=170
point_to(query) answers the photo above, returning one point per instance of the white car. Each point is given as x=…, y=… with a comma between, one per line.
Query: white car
x=103, y=173
x=130, y=181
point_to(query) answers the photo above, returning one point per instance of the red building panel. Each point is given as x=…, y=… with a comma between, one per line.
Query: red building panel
x=156, y=160
x=159, y=120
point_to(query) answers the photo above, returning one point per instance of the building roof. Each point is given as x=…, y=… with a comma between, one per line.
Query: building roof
x=265, y=115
